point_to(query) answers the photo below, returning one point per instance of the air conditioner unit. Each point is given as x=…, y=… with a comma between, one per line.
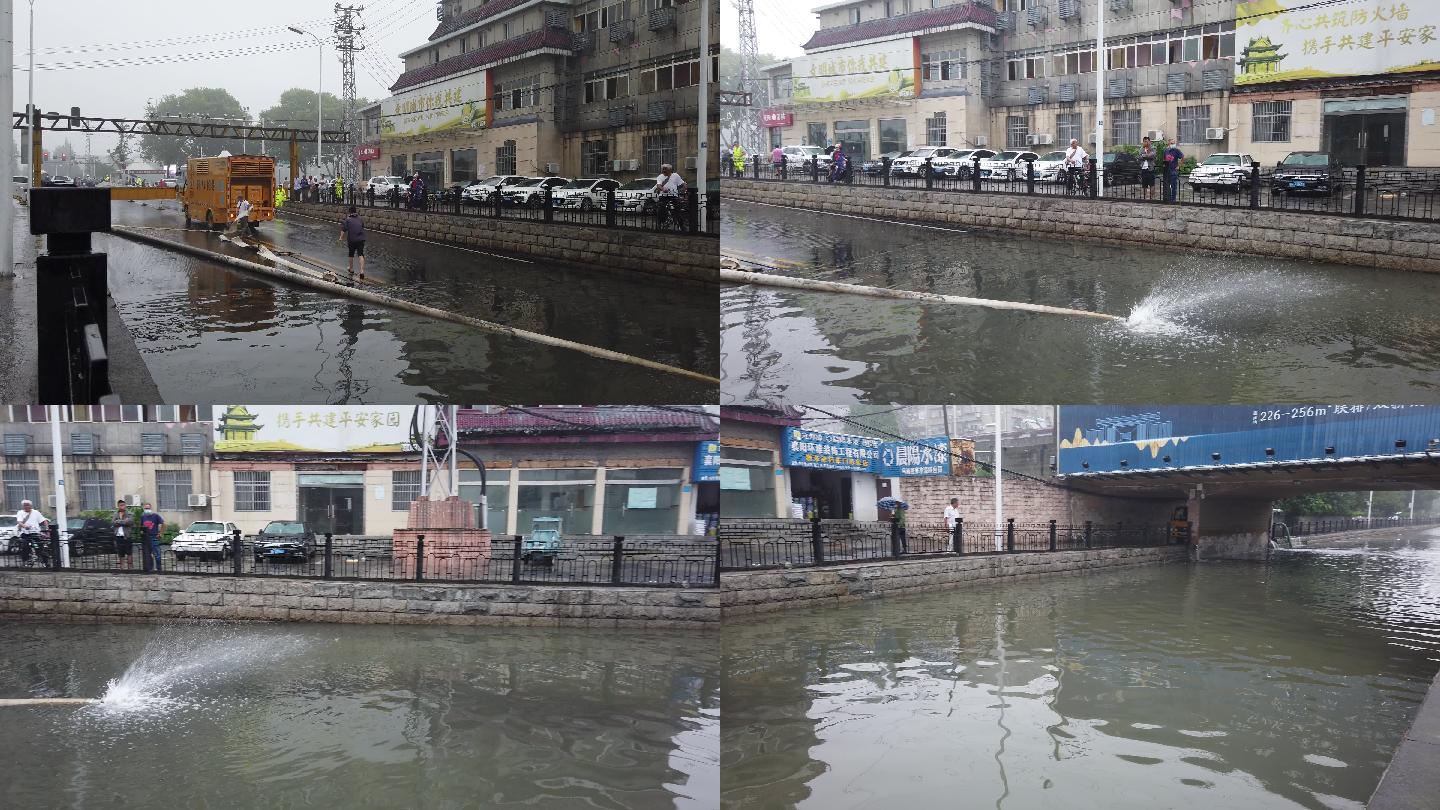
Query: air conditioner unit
x=50, y=501
x=624, y=165
x=982, y=140
x=1155, y=135
x=1043, y=139
x=199, y=499
x=133, y=500
x=552, y=168
x=690, y=163
x=1215, y=134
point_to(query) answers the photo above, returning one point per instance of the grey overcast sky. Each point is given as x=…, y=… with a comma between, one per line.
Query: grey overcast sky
x=782, y=25
x=109, y=57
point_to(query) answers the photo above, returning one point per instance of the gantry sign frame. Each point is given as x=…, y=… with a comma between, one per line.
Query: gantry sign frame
x=60, y=122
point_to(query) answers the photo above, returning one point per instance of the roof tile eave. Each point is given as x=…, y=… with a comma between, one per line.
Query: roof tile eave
x=500, y=51
x=895, y=26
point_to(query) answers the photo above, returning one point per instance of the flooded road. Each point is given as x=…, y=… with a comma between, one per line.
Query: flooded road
x=1218, y=685
x=1200, y=327
x=272, y=715
x=200, y=326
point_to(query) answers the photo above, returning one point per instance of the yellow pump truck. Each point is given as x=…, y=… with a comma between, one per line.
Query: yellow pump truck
x=1180, y=525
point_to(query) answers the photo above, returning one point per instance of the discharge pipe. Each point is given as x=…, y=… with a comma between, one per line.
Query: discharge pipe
x=47, y=701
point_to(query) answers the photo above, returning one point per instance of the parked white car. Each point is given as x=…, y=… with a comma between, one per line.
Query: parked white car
x=204, y=538
x=636, y=196
x=483, y=192
x=7, y=535
x=585, y=194
x=530, y=192
x=1048, y=167
x=1225, y=170
x=383, y=183
x=913, y=165
x=797, y=155
x=960, y=163
x=1009, y=165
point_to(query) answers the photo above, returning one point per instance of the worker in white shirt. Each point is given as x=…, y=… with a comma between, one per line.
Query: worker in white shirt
x=1075, y=158
x=30, y=527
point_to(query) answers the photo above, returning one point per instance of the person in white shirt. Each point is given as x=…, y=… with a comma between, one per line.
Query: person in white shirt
x=242, y=217
x=671, y=190
x=1075, y=158
x=952, y=514
x=28, y=521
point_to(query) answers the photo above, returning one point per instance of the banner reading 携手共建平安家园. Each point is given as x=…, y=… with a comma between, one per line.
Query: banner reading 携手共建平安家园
x=458, y=103
x=877, y=70
x=1284, y=40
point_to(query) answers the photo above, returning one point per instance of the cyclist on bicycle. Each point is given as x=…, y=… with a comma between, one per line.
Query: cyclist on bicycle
x=1075, y=158
x=671, y=191
x=30, y=527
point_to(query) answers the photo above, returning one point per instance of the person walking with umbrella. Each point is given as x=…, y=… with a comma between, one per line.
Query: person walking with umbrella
x=898, y=510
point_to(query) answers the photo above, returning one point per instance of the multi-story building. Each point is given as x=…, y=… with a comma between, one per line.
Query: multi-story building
x=159, y=453
x=534, y=87
x=887, y=75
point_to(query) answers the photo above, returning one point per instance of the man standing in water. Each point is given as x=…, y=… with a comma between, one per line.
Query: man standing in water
x=352, y=230
x=151, y=523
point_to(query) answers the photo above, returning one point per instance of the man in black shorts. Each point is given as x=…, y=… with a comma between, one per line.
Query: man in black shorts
x=1147, y=168
x=353, y=231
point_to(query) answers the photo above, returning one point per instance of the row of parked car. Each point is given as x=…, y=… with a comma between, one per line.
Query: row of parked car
x=279, y=541
x=586, y=194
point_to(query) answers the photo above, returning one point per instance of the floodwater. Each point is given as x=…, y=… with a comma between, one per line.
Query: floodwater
x=1200, y=327
x=201, y=326
x=284, y=716
x=1218, y=685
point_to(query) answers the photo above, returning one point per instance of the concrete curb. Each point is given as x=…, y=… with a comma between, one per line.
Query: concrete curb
x=1412, y=780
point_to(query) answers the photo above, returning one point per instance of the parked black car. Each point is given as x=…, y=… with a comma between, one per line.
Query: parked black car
x=1307, y=173
x=877, y=166
x=284, y=541
x=90, y=536
x=1121, y=169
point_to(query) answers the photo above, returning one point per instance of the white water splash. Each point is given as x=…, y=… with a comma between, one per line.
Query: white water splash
x=1192, y=299
x=181, y=659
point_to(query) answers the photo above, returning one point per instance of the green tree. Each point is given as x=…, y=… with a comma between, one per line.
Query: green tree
x=730, y=80
x=296, y=110
x=199, y=105
x=120, y=155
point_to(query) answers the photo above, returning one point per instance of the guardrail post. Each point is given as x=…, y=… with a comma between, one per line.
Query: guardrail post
x=957, y=535
x=1360, y=190
x=1029, y=176
x=237, y=548
x=1094, y=174
x=329, y=549
x=885, y=167
x=1052, y=535
x=894, y=538
x=975, y=173
x=146, y=558
x=814, y=169
x=757, y=167
x=71, y=291
x=784, y=166
x=515, y=558
x=1089, y=528
x=549, y=204
x=610, y=208
x=717, y=562
x=617, y=558
x=817, y=542
x=54, y=543
x=499, y=202
x=419, y=557
x=929, y=174
x=1255, y=184
x=1010, y=534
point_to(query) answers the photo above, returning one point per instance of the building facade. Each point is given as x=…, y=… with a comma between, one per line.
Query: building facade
x=889, y=75
x=546, y=87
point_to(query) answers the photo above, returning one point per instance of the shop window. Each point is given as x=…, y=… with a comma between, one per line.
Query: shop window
x=497, y=499
x=1270, y=121
x=404, y=489
x=566, y=494
x=747, y=483
x=252, y=491
x=464, y=165
x=643, y=501
x=172, y=490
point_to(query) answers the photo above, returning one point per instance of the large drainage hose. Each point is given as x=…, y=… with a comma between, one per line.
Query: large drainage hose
x=47, y=701
x=729, y=272
x=318, y=283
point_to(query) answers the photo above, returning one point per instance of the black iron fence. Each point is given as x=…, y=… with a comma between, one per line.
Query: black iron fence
x=758, y=544
x=598, y=209
x=659, y=561
x=1361, y=191
x=1310, y=528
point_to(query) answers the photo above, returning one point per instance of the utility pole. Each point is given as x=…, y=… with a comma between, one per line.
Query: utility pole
x=747, y=126
x=7, y=149
x=57, y=461
x=1102, y=58
x=347, y=28
x=999, y=483
x=702, y=135
x=1369, y=504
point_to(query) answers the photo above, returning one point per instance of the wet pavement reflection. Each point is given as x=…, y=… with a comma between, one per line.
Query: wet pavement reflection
x=199, y=325
x=1217, y=685
x=1199, y=327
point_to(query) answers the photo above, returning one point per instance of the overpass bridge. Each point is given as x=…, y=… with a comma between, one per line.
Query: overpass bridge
x=1229, y=464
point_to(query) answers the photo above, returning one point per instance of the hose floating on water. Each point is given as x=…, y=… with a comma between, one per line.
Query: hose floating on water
x=729, y=272
x=47, y=701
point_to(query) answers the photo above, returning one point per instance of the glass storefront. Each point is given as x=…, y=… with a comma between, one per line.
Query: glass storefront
x=397, y=166
x=747, y=482
x=892, y=135
x=644, y=501
x=856, y=137
x=566, y=494
x=815, y=135
x=431, y=166
x=463, y=165
x=497, y=503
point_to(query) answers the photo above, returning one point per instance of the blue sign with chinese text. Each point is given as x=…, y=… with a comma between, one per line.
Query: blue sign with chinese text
x=830, y=451
x=707, y=462
x=916, y=457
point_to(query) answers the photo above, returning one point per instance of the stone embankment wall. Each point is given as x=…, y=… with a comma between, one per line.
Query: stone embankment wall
x=81, y=595
x=694, y=258
x=745, y=592
x=1359, y=537
x=1026, y=501
x=1281, y=234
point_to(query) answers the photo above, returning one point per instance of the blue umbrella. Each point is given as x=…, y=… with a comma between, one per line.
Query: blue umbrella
x=892, y=504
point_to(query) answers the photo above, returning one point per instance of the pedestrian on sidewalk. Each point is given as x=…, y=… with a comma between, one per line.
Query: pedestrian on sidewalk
x=124, y=524
x=1173, y=158
x=152, y=524
x=352, y=230
x=1147, y=168
x=339, y=191
x=370, y=195
x=952, y=514
x=738, y=156
x=1075, y=157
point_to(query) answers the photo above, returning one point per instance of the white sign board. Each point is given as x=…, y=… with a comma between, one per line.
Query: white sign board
x=735, y=478
x=1284, y=40
x=879, y=70
x=641, y=498
x=312, y=428
x=460, y=103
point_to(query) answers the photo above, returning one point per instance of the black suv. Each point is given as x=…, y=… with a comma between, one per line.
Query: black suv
x=284, y=541
x=1307, y=173
x=90, y=536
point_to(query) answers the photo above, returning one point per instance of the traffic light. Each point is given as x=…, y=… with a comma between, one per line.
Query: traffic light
x=74, y=116
x=45, y=154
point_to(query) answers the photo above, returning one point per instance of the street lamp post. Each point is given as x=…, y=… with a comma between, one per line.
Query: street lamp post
x=1101, y=59
x=7, y=151
x=319, y=97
